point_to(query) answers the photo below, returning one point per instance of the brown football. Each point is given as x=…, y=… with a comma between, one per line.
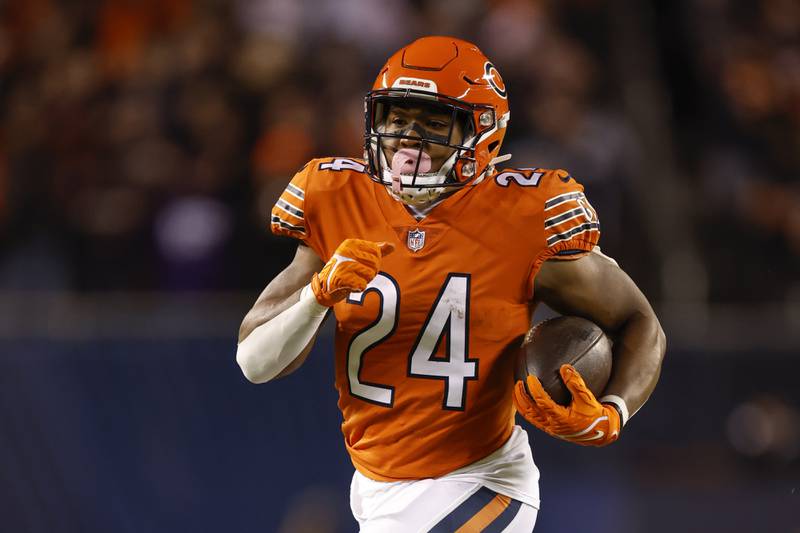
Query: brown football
x=566, y=339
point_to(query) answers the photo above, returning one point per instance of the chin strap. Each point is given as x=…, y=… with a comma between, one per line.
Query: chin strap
x=499, y=159
x=397, y=186
x=490, y=168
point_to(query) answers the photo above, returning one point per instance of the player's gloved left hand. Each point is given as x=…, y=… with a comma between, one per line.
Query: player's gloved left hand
x=584, y=421
x=353, y=265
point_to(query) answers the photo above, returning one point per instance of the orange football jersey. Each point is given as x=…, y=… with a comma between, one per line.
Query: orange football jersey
x=425, y=355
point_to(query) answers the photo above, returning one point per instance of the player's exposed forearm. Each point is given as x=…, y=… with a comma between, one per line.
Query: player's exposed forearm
x=269, y=305
x=638, y=352
x=282, y=292
x=274, y=335
x=594, y=287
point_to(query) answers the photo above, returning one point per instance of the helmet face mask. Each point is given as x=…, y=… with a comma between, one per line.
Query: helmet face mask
x=435, y=119
x=436, y=122
x=422, y=129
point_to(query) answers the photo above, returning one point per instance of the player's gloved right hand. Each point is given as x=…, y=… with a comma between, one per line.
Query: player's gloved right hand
x=353, y=265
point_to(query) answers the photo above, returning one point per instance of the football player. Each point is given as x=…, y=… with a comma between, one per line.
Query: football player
x=432, y=258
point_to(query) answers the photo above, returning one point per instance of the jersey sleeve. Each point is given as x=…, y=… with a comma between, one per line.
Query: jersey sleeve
x=288, y=216
x=571, y=225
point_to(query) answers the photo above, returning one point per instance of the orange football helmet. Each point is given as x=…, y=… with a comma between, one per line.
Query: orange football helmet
x=445, y=77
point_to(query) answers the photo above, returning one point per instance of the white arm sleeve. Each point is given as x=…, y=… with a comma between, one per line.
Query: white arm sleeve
x=273, y=345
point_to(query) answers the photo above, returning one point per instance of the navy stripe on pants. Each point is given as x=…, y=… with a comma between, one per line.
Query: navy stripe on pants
x=470, y=507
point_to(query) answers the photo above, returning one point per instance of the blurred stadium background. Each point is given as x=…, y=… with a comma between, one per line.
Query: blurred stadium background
x=142, y=143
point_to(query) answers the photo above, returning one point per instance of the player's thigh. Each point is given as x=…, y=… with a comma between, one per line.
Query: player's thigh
x=523, y=522
x=405, y=507
x=489, y=512
x=446, y=507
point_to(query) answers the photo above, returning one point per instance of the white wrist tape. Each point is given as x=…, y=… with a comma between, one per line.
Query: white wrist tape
x=273, y=345
x=620, y=404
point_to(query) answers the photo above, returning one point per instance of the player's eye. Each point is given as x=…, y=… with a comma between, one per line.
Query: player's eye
x=399, y=121
x=437, y=124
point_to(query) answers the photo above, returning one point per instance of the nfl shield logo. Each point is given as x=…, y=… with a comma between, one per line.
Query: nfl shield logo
x=416, y=240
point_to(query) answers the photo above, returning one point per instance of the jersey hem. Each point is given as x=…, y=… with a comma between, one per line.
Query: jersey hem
x=483, y=453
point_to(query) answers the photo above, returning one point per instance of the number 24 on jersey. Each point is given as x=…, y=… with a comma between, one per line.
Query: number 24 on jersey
x=449, y=315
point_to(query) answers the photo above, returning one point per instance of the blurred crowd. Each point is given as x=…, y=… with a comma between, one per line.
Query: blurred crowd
x=743, y=142
x=142, y=142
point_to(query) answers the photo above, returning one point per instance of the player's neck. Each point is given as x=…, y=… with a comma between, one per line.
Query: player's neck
x=421, y=211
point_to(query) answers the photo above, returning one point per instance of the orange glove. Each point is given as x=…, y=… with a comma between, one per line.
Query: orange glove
x=353, y=265
x=585, y=421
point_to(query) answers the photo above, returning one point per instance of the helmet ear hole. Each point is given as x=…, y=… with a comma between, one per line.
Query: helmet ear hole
x=493, y=145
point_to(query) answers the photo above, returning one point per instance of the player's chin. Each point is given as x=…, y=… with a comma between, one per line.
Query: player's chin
x=419, y=201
